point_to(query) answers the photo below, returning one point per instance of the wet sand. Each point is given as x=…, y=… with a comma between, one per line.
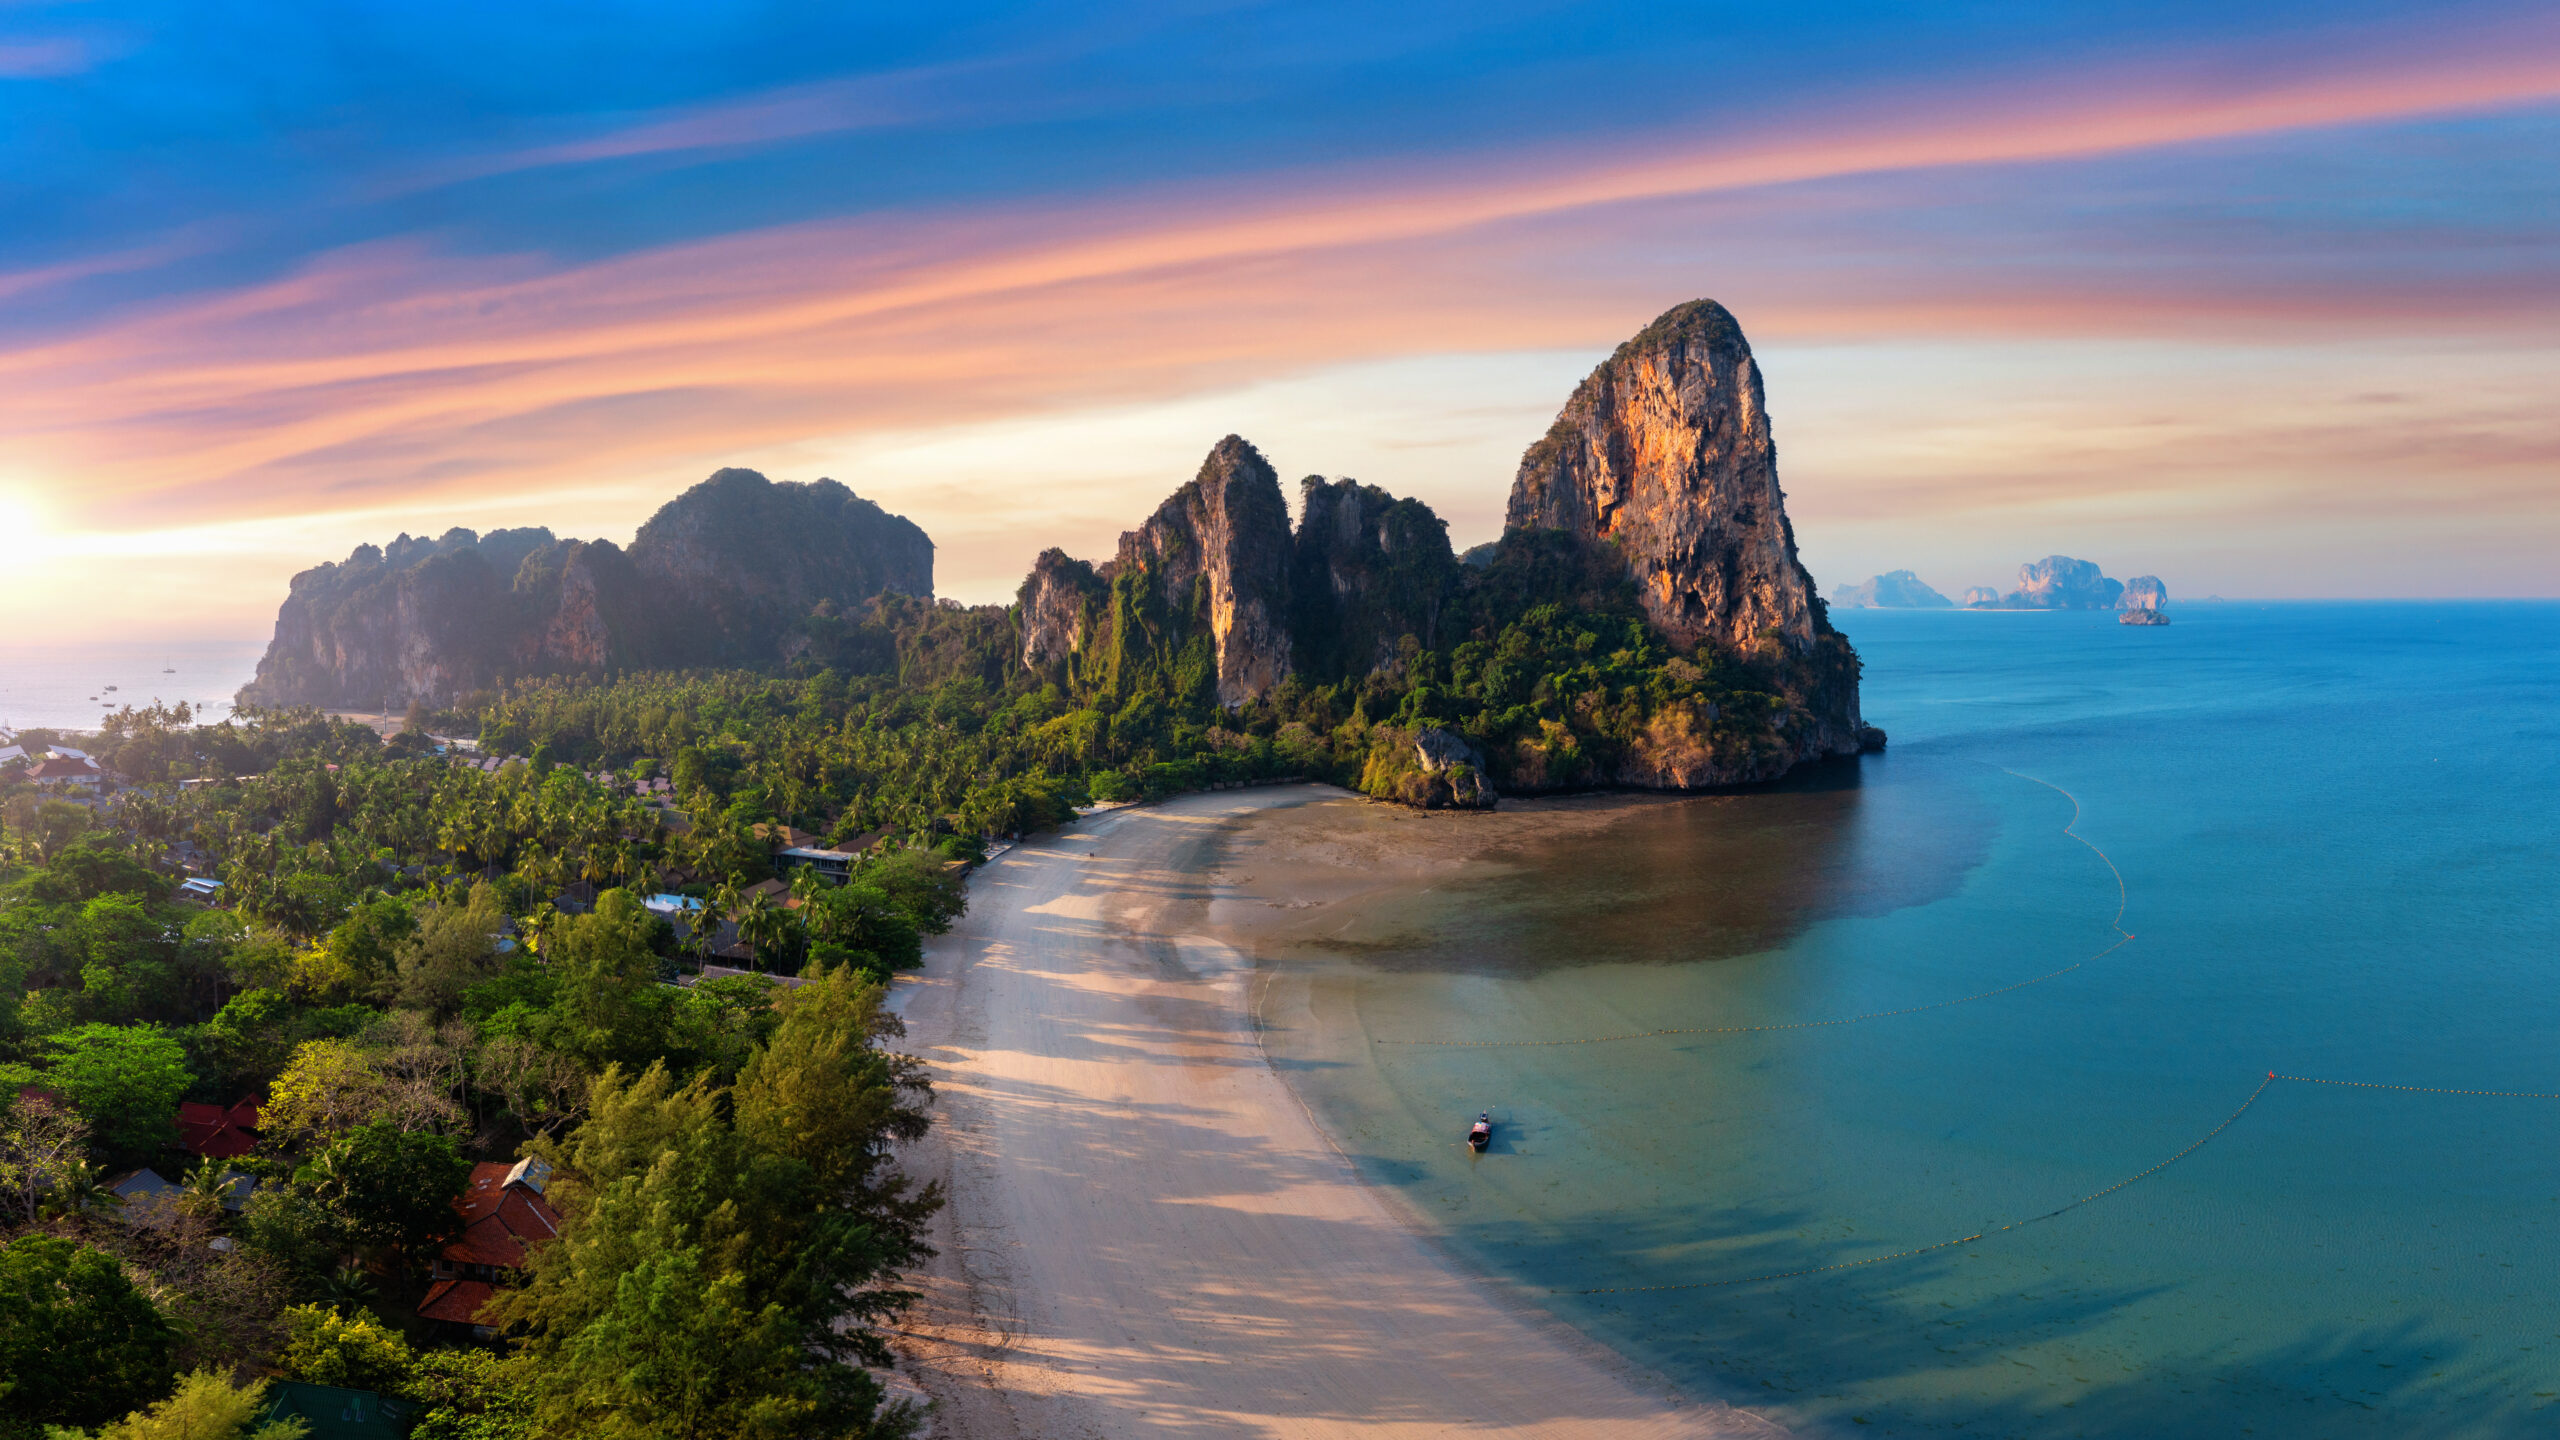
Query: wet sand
x=1147, y=1232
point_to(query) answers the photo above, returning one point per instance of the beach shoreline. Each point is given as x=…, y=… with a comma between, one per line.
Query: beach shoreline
x=1148, y=1231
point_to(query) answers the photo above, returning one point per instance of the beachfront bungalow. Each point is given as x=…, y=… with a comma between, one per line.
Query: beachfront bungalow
x=200, y=890
x=504, y=1219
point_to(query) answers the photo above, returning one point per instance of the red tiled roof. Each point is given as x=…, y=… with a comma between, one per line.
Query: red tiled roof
x=213, y=1131
x=487, y=1242
x=502, y=1222
x=458, y=1301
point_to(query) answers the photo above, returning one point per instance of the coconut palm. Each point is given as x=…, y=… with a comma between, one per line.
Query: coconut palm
x=767, y=927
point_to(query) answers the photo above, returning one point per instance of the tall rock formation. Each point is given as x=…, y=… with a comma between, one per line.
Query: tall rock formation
x=1663, y=460
x=717, y=577
x=1664, y=452
x=1368, y=570
x=1214, y=558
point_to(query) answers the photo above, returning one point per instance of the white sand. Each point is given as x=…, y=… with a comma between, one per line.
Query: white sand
x=1147, y=1233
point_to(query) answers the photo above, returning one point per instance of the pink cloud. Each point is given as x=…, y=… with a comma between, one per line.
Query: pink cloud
x=393, y=369
x=44, y=59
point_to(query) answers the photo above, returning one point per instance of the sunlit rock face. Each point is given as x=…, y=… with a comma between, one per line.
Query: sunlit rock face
x=1663, y=455
x=1664, y=452
x=1219, y=549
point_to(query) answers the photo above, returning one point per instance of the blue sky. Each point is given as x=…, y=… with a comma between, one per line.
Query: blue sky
x=2217, y=292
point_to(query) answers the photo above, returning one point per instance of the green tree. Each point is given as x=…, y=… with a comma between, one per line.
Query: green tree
x=388, y=1187
x=609, y=1007
x=78, y=1344
x=468, y=1395
x=206, y=1406
x=323, y=1347
x=125, y=1079
x=454, y=946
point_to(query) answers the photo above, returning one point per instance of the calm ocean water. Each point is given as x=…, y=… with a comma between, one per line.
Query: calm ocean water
x=2337, y=828
x=52, y=684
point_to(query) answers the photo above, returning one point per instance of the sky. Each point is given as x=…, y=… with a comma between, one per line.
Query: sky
x=2261, y=298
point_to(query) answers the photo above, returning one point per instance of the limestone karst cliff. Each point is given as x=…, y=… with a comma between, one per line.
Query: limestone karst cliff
x=1664, y=452
x=1200, y=588
x=1368, y=570
x=1664, y=456
x=716, y=577
x=1649, y=517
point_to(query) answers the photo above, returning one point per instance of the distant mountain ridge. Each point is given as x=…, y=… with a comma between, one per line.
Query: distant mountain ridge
x=717, y=577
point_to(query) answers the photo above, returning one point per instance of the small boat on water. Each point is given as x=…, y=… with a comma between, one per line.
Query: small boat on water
x=1482, y=1133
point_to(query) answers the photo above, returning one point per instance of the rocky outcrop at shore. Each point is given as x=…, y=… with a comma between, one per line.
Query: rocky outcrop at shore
x=716, y=577
x=1893, y=590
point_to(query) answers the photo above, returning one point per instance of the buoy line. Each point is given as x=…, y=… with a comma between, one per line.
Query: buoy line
x=2093, y=1195
x=2123, y=937
x=2424, y=1089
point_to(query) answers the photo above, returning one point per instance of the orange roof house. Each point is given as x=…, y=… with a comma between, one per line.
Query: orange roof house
x=504, y=1220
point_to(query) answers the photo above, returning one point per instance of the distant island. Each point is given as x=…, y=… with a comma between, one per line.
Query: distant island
x=2059, y=582
x=1893, y=590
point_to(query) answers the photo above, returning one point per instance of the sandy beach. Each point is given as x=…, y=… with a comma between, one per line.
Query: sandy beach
x=1147, y=1233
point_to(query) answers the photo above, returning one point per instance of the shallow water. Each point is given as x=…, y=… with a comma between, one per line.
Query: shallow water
x=2339, y=854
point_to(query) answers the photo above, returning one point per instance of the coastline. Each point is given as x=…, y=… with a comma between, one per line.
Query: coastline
x=1128, y=1174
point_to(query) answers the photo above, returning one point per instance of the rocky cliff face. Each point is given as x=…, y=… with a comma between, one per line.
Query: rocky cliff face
x=1664, y=456
x=1664, y=452
x=1064, y=605
x=1218, y=550
x=716, y=577
x=1367, y=570
x=1893, y=590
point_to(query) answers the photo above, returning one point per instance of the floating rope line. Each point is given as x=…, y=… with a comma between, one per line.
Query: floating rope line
x=2424, y=1089
x=2092, y=1196
x=2123, y=937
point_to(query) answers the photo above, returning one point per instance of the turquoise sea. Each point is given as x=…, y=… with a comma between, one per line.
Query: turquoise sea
x=2333, y=832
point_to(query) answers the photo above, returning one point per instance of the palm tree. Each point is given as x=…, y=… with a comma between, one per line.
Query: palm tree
x=765, y=926
x=78, y=1188
x=206, y=1187
x=349, y=1288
